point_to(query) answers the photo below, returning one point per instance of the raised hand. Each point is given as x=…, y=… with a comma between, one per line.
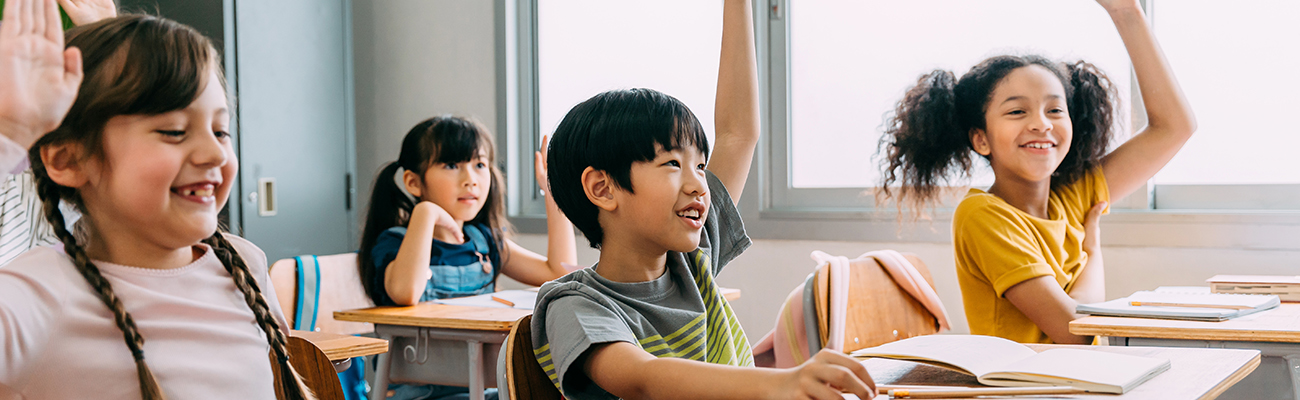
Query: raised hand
x=539, y=166
x=88, y=11
x=40, y=78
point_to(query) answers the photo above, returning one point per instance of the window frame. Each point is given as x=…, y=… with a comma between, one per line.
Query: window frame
x=1207, y=216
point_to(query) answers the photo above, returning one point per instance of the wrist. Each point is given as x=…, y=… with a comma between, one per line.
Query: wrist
x=22, y=134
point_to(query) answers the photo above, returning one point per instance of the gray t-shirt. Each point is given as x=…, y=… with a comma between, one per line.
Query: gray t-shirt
x=680, y=314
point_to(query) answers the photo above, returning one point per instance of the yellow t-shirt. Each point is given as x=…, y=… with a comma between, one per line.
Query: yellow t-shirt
x=998, y=246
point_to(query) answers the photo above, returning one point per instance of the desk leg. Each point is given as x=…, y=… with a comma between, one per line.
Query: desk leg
x=475, y=369
x=379, y=388
x=1293, y=366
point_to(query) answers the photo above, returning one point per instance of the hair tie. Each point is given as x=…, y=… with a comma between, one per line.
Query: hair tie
x=138, y=353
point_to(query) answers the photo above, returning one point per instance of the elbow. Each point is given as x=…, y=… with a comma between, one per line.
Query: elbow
x=403, y=299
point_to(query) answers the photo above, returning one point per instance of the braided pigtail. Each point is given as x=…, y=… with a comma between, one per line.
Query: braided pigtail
x=1092, y=113
x=922, y=143
x=291, y=383
x=51, y=193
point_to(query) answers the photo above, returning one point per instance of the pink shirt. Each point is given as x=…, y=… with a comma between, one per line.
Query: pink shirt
x=58, y=341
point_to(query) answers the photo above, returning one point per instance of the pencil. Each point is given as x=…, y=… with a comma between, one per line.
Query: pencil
x=503, y=301
x=962, y=392
x=1154, y=304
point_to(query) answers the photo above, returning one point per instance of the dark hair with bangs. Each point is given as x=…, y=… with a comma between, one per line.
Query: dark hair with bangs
x=609, y=132
x=143, y=65
x=927, y=140
x=438, y=140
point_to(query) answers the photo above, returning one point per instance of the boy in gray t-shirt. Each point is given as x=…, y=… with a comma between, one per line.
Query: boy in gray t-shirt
x=628, y=168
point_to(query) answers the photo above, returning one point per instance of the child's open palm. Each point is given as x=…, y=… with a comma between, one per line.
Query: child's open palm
x=40, y=78
x=83, y=12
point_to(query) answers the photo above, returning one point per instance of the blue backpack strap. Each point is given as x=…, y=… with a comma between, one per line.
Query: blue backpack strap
x=304, y=317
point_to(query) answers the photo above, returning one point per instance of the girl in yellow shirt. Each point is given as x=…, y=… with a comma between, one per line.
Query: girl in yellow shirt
x=1028, y=249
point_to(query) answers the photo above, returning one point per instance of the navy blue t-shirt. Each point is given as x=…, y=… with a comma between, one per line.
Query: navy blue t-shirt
x=457, y=270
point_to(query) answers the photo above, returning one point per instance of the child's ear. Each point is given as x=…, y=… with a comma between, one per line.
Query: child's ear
x=62, y=164
x=979, y=140
x=599, y=188
x=413, y=182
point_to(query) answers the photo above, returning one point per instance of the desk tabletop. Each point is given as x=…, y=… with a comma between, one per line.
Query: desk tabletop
x=444, y=316
x=1193, y=373
x=1280, y=324
x=341, y=347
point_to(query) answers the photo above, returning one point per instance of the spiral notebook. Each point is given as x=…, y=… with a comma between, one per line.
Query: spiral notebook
x=1182, y=305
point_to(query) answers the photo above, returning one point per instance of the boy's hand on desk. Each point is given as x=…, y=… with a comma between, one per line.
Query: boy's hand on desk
x=1092, y=229
x=826, y=375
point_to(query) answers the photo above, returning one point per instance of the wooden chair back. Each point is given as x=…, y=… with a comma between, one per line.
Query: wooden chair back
x=524, y=375
x=340, y=289
x=879, y=311
x=316, y=369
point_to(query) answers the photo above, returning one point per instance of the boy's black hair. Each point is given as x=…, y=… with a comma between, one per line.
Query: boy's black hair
x=609, y=132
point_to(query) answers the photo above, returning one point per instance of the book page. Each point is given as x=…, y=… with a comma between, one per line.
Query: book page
x=523, y=300
x=973, y=354
x=1091, y=370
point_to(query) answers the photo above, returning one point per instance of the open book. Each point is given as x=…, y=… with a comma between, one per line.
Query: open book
x=996, y=361
x=1188, y=306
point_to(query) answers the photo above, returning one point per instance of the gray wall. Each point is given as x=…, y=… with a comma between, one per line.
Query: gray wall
x=416, y=59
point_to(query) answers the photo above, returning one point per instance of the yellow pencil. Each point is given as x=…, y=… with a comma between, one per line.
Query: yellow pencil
x=503, y=301
x=961, y=392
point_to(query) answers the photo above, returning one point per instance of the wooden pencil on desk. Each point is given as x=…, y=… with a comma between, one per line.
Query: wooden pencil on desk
x=1155, y=304
x=962, y=392
x=503, y=301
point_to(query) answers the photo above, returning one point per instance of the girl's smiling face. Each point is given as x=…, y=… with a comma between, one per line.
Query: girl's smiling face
x=161, y=179
x=1027, y=125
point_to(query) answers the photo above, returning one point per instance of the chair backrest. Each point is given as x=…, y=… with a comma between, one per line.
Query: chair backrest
x=524, y=376
x=315, y=368
x=879, y=310
x=339, y=281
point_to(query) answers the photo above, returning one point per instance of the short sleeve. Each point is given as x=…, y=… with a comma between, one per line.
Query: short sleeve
x=1080, y=196
x=384, y=252
x=572, y=325
x=724, y=235
x=998, y=248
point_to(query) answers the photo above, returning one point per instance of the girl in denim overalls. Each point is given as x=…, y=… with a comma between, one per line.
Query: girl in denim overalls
x=436, y=227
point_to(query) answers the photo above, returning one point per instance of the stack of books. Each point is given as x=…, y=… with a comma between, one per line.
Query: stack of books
x=1182, y=305
x=1286, y=288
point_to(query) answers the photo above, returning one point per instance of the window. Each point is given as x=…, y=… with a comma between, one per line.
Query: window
x=850, y=62
x=1239, y=78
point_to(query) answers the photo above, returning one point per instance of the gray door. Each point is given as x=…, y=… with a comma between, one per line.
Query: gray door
x=294, y=125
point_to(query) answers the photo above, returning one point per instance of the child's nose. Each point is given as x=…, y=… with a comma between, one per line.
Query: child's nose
x=210, y=152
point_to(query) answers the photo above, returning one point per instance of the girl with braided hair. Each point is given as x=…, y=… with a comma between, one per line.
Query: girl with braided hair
x=145, y=156
x=1028, y=249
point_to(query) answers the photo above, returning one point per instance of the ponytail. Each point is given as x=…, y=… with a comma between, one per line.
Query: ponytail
x=1092, y=113
x=924, y=143
x=389, y=207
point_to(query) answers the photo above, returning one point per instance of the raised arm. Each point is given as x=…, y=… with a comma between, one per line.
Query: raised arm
x=40, y=78
x=736, y=108
x=561, y=244
x=1169, y=116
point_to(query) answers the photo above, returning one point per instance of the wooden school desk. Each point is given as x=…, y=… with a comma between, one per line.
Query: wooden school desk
x=437, y=343
x=1275, y=333
x=1193, y=374
x=343, y=347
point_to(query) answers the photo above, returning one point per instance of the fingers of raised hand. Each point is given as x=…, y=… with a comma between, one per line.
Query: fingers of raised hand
x=1094, y=214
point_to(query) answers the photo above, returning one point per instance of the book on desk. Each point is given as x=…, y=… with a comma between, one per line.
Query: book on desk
x=1285, y=287
x=1182, y=305
x=996, y=361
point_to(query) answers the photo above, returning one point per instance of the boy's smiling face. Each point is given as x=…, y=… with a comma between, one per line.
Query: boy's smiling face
x=668, y=203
